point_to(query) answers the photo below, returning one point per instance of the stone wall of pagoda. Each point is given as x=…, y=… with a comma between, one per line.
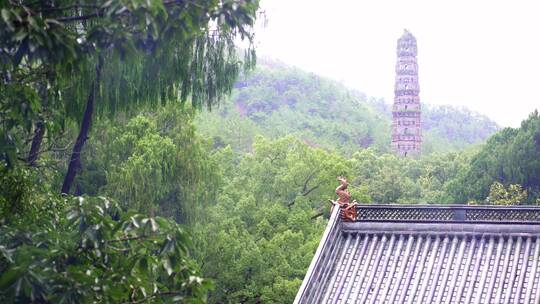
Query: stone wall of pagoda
x=406, y=112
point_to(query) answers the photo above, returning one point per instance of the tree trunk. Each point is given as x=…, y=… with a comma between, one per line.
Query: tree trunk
x=75, y=160
x=36, y=144
x=40, y=128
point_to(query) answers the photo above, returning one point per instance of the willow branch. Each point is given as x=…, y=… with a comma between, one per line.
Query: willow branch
x=53, y=149
x=81, y=18
x=69, y=7
x=133, y=238
x=123, y=12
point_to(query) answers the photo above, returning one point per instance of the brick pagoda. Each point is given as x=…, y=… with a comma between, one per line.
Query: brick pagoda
x=406, y=112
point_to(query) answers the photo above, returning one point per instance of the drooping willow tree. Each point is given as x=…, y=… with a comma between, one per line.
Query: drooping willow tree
x=73, y=60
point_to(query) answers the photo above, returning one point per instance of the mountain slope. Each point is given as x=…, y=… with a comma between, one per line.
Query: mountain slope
x=277, y=100
x=448, y=128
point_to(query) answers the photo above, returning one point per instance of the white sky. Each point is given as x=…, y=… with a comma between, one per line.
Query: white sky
x=478, y=53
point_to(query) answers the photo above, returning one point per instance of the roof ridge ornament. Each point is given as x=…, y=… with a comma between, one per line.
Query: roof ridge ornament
x=348, y=210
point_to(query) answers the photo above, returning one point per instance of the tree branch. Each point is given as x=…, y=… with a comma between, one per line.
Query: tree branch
x=133, y=238
x=51, y=148
x=68, y=7
x=308, y=179
x=317, y=215
x=309, y=191
x=80, y=18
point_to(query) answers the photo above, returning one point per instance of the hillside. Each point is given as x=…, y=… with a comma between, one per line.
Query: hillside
x=277, y=100
x=448, y=128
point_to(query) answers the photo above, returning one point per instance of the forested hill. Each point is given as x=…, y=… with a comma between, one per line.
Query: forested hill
x=277, y=100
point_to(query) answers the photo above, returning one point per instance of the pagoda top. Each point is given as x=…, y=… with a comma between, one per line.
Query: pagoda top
x=406, y=44
x=407, y=35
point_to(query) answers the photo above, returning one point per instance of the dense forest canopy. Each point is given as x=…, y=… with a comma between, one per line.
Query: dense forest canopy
x=164, y=201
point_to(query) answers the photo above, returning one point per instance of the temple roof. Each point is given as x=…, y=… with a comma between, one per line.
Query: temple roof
x=427, y=254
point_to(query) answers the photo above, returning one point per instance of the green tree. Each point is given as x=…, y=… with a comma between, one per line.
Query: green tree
x=155, y=52
x=154, y=163
x=500, y=195
x=258, y=239
x=511, y=156
x=97, y=253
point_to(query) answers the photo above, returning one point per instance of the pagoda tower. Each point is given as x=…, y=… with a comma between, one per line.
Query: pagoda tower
x=406, y=112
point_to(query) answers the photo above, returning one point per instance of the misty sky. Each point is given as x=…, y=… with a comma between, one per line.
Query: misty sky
x=481, y=54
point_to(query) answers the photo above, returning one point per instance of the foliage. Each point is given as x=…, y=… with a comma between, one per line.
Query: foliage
x=25, y=197
x=55, y=249
x=388, y=178
x=276, y=101
x=511, y=156
x=499, y=195
x=448, y=128
x=51, y=61
x=259, y=238
x=194, y=37
x=154, y=163
x=256, y=217
x=100, y=254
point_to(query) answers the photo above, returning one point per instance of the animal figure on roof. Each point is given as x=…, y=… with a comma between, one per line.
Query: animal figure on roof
x=348, y=209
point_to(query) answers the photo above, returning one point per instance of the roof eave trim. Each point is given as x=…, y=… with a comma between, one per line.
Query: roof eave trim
x=331, y=227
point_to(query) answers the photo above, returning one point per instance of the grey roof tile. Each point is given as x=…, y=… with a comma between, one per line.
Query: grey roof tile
x=491, y=258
